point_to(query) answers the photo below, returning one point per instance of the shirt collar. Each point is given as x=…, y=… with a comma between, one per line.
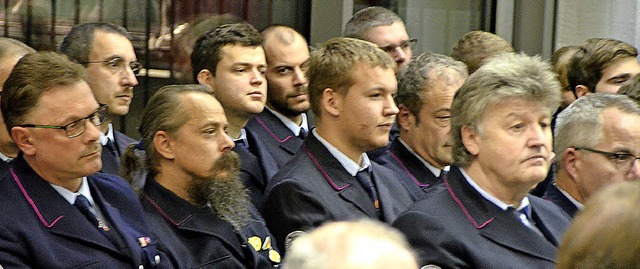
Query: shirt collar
x=108, y=135
x=352, y=167
x=71, y=196
x=571, y=199
x=524, y=203
x=5, y=158
x=295, y=128
x=436, y=171
x=243, y=137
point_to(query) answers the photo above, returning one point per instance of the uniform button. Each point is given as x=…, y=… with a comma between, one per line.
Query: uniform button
x=141, y=267
x=157, y=258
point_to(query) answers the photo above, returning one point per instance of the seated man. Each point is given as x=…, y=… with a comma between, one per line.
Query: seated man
x=231, y=61
x=351, y=86
x=481, y=215
x=425, y=92
x=277, y=133
x=56, y=212
x=192, y=196
x=597, y=141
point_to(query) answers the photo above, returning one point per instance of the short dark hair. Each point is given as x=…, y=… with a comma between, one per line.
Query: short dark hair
x=593, y=57
x=32, y=76
x=206, y=51
x=78, y=43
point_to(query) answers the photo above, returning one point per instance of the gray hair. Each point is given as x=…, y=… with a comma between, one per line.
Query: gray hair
x=368, y=18
x=342, y=243
x=507, y=76
x=580, y=124
x=414, y=81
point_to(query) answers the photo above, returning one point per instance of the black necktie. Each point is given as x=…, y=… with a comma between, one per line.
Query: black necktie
x=303, y=133
x=240, y=143
x=365, y=179
x=84, y=206
x=524, y=213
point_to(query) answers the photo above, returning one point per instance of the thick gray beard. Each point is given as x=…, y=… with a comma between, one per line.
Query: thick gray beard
x=226, y=194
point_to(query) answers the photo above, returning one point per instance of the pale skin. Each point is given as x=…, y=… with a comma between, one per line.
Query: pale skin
x=54, y=156
x=361, y=119
x=194, y=147
x=393, y=34
x=239, y=84
x=584, y=173
x=287, y=84
x=614, y=76
x=508, y=172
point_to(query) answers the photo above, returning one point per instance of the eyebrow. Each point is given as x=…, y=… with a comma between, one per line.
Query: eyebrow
x=623, y=76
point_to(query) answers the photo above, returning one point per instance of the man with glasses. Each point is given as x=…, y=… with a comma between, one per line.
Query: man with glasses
x=597, y=139
x=107, y=53
x=56, y=210
x=385, y=29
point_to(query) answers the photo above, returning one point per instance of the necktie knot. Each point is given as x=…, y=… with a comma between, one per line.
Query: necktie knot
x=303, y=133
x=82, y=204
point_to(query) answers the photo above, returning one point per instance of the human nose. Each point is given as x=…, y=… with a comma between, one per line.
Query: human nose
x=225, y=142
x=257, y=77
x=634, y=170
x=539, y=136
x=390, y=106
x=399, y=54
x=129, y=77
x=299, y=77
x=91, y=131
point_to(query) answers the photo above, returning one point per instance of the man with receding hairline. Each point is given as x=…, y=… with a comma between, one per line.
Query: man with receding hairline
x=384, y=28
x=11, y=51
x=277, y=133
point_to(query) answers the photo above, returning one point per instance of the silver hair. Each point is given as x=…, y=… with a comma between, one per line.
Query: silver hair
x=368, y=18
x=580, y=124
x=507, y=76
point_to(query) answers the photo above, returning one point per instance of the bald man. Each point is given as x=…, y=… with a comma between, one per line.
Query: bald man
x=277, y=133
x=11, y=51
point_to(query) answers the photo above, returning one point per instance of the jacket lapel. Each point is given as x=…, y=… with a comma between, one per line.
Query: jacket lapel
x=495, y=224
x=338, y=178
x=417, y=171
x=56, y=213
x=186, y=217
x=279, y=132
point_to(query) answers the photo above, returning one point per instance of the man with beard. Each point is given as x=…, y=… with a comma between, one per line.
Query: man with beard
x=193, y=198
x=107, y=53
x=277, y=133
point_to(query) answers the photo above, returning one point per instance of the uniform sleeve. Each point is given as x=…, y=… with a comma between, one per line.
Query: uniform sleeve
x=12, y=250
x=431, y=241
x=288, y=207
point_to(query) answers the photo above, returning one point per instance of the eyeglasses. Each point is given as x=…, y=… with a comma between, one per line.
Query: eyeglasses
x=623, y=161
x=76, y=127
x=403, y=45
x=118, y=65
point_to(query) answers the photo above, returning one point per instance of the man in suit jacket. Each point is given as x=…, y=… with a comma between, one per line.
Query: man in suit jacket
x=193, y=198
x=231, y=61
x=277, y=133
x=351, y=84
x=597, y=139
x=422, y=152
x=55, y=211
x=107, y=53
x=482, y=216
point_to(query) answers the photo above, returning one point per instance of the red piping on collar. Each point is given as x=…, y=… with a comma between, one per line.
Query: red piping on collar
x=464, y=209
x=406, y=170
x=33, y=205
x=271, y=133
x=164, y=215
x=326, y=176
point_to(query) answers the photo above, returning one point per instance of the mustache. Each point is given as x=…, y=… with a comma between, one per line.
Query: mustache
x=228, y=162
